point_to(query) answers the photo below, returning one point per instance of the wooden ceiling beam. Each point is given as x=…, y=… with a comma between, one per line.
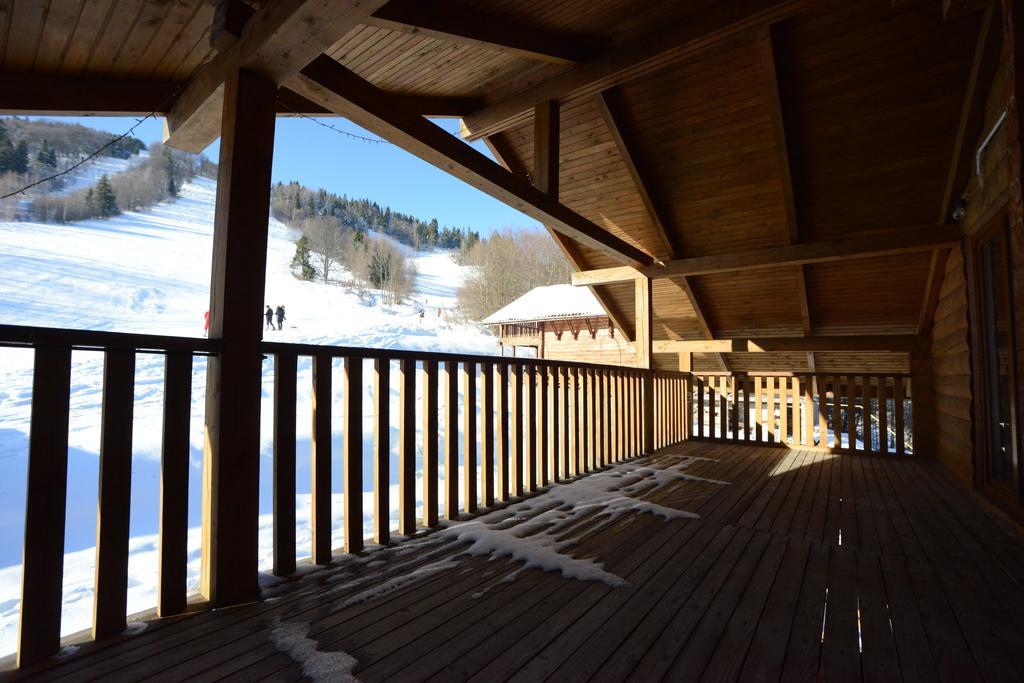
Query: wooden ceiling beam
x=891, y=343
x=972, y=113
x=505, y=156
x=890, y=243
x=865, y=245
x=712, y=27
x=329, y=84
x=467, y=26
x=40, y=95
x=276, y=42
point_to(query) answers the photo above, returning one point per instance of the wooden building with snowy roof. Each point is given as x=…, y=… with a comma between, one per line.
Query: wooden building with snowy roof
x=560, y=322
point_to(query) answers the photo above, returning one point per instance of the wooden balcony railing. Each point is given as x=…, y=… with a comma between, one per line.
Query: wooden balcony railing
x=524, y=425
x=843, y=412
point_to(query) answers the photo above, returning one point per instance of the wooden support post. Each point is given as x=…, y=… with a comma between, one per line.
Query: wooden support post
x=469, y=436
x=430, y=469
x=381, y=451
x=353, y=455
x=174, y=459
x=487, y=433
x=451, y=439
x=515, y=468
x=406, y=446
x=230, y=559
x=321, y=460
x=110, y=599
x=285, y=393
x=504, y=438
x=45, y=507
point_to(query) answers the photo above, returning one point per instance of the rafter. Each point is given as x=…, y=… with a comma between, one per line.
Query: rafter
x=467, y=26
x=276, y=42
x=717, y=24
x=864, y=245
x=610, y=109
x=506, y=157
x=63, y=96
x=972, y=114
x=290, y=103
x=331, y=85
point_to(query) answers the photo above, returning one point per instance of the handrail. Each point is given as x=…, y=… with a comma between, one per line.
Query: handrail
x=440, y=357
x=96, y=340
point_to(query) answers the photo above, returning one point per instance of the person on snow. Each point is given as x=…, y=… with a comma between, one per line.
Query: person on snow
x=269, y=315
x=280, y=317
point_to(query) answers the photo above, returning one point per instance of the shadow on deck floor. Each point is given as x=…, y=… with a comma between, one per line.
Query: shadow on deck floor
x=704, y=561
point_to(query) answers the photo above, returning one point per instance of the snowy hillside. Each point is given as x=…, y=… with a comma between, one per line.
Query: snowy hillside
x=149, y=272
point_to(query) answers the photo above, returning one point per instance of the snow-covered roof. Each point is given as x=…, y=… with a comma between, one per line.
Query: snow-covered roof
x=554, y=302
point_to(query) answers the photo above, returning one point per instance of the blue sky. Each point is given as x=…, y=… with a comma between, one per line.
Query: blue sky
x=318, y=157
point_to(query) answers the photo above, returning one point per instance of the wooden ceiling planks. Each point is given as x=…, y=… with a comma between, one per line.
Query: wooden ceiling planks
x=871, y=95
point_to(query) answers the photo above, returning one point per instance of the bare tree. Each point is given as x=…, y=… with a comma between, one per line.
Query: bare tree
x=508, y=265
x=326, y=243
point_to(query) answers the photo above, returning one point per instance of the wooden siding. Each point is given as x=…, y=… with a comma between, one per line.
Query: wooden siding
x=603, y=347
x=951, y=365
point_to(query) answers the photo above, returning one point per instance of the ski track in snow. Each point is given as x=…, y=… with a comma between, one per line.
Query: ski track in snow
x=149, y=272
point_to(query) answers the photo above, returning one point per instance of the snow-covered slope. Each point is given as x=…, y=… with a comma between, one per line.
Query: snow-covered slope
x=149, y=272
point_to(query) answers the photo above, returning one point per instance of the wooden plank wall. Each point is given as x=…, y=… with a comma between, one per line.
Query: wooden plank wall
x=951, y=365
x=603, y=347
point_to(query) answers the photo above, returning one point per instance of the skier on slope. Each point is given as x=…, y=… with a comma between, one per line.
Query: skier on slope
x=280, y=317
x=269, y=315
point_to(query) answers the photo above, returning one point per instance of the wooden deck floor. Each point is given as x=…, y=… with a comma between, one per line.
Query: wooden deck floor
x=804, y=564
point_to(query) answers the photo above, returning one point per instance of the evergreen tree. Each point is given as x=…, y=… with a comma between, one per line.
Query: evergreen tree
x=105, y=199
x=19, y=160
x=301, y=259
x=6, y=155
x=46, y=157
x=90, y=202
x=172, y=188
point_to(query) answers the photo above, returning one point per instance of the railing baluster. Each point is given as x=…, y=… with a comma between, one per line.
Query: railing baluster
x=469, y=502
x=515, y=469
x=599, y=424
x=700, y=407
x=406, y=446
x=501, y=383
x=837, y=412
x=734, y=405
x=430, y=439
x=898, y=413
x=530, y=428
x=572, y=387
x=865, y=399
x=808, y=439
x=352, y=460
x=110, y=600
x=487, y=433
x=541, y=461
x=822, y=388
x=381, y=451
x=723, y=407
x=883, y=414
x=783, y=410
x=45, y=506
x=451, y=439
x=554, y=437
x=592, y=441
x=174, y=458
x=321, y=457
x=568, y=466
x=851, y=412
x=620, y=421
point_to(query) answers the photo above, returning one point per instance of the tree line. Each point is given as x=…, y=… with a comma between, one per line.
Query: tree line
x=159, y=177
x=292, y=203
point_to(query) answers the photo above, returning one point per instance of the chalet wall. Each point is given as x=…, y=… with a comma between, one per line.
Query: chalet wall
x=950, y=334
x=602, y=348
x=951, y=365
